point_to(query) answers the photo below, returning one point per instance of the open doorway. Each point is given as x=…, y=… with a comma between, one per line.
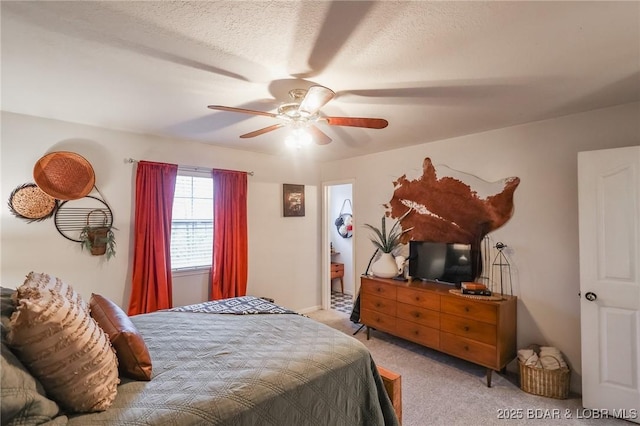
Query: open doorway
x=339, y=287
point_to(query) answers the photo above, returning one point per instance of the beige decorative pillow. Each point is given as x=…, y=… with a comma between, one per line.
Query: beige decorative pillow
x=45, y=281
x=24, y=401
x=65, y=349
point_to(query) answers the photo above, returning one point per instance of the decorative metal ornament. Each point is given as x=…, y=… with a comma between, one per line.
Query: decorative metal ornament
x=73, y=216
x=501, y=270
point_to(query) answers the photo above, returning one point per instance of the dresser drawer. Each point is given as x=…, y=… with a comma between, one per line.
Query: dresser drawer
x=418, y=315
x=337, y=270
x=469, y=328
x=468, y=349
x=378, y=288
x=423, y=299
x=418, y=333
x=378, y=320
x=485, y=312
x=371, y=302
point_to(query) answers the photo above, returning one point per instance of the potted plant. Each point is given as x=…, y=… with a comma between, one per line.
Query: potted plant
x=385, y=266
x=98, y=239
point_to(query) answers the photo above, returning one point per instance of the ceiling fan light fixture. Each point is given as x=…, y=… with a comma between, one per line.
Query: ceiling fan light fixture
x=297, y=95
x=298, y=138
x=315, y=98
x=289, y=110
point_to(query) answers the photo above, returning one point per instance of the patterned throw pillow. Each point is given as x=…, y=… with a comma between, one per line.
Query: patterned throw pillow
x=65, y=349
x=44, y=281
x=24, y=401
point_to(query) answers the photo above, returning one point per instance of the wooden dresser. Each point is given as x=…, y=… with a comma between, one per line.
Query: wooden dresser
x=480, y=331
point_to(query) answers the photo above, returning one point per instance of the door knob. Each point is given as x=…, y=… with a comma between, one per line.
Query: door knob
x=590, y=296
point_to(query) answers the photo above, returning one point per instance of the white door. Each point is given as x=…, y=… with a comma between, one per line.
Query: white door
x=609, y=201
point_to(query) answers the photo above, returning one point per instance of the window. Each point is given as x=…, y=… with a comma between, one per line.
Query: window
x=192, y=222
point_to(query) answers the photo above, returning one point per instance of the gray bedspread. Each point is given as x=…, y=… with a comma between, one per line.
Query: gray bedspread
x=281, y=370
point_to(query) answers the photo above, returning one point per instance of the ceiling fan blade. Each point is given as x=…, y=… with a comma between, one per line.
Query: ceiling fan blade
x=242, y=110
x=370, y=123
x=261, y=131
x=316, y=98
x=319, y=137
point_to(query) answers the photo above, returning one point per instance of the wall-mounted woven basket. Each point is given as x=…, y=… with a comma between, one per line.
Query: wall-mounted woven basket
x=97, y=234
x=64, y=175
x=29, y=202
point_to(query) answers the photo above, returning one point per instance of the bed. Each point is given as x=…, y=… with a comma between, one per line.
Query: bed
x=216, y=365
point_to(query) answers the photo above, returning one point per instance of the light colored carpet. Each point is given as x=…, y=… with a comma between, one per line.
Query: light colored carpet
x=438, y=389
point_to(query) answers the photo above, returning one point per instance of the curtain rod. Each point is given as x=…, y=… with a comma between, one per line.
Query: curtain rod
x=188, y=168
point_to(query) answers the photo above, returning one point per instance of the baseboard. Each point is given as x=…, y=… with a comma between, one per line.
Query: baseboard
x=312, y=309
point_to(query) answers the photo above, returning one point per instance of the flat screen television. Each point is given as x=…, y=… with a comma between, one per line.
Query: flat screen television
x=448, y=263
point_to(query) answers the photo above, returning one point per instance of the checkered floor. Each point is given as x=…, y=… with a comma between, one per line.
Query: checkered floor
x=341, y=302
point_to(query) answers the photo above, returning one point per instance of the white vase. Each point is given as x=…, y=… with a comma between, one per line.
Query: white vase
x=385, y=266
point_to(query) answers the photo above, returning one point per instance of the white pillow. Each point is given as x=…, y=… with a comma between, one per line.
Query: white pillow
x=65, y=349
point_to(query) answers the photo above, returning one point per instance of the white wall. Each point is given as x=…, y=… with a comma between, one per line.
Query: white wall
x=273, y=239
x=285, y=251
x=542, y=235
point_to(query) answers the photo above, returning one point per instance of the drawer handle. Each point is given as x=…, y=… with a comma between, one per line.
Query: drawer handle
x=416, y=314
x=466, y=348
x=378, y=305
x=466, y=309
x=466, y=328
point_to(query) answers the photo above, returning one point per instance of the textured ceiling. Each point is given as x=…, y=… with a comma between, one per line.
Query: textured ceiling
x=434, y=70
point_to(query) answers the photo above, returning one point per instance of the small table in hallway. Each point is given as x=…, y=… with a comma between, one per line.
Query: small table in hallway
x=337, y=271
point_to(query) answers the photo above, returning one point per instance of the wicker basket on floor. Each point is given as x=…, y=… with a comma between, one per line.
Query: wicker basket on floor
x=545, y=382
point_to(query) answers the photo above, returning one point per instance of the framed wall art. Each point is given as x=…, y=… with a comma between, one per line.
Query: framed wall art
x=293, y=200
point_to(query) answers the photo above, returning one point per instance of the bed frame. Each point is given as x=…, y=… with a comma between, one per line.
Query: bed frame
x=393, y=384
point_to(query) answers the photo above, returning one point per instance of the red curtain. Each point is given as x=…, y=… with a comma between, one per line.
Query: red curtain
x=229, y=268
x=151, y=287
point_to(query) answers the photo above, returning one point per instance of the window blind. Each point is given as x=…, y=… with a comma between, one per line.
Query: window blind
x=192, y=222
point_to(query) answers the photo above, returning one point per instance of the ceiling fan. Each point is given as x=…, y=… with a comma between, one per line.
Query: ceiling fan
x=303, y=112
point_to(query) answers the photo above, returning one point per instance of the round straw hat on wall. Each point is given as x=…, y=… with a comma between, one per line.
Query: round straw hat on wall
x=29, y=202
x=64, y=175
